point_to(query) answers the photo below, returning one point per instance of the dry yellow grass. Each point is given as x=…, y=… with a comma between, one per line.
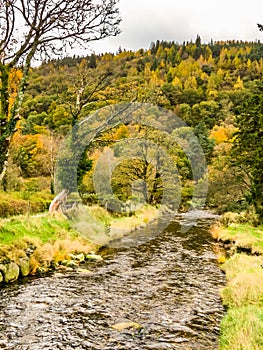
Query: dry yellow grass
x=58, y=251
x=242, y=236
x=215, y=231
x=242, y=327
x=140, y=218
x=245, y=280
x=239, y=263
x=99, y=226
x=246, y=288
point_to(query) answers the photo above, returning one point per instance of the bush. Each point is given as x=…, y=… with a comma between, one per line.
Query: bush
x=21, y=203
x=240, y=218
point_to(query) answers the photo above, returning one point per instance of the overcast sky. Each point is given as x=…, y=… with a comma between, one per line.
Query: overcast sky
x=144, y=21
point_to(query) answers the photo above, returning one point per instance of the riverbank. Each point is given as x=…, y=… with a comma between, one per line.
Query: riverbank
x=31, y=245
x=167, y=285
x=242, y=327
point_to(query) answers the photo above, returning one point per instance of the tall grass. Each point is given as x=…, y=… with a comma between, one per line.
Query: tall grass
x=53, y=238
x=242, y=329
x=245, y=281
x=99, y=226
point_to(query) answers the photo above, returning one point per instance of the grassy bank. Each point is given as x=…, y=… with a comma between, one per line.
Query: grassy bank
x=45, y=240
x=100, y=227
x=242, y=327
x=241, y=237
x=49, y=241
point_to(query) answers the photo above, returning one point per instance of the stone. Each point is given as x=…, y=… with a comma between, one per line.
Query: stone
x=24, y=267
x=126, y=325
x=12, y=272
x=79, y=257
x=94, y=257
x=83, y=271
x=3, y=268
x=72, y=264
x=63, y=267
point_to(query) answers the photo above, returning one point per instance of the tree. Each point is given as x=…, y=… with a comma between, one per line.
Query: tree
x=33, y=29
x=145, y=171
x=35, y=154
x=85, y=88
x=248, y=148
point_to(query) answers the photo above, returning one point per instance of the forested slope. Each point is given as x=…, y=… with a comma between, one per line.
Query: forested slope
x=213, y=87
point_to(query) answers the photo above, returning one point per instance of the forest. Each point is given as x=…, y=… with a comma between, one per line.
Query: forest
x=215, y=88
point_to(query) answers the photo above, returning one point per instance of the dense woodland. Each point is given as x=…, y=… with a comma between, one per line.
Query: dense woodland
x=216, y=88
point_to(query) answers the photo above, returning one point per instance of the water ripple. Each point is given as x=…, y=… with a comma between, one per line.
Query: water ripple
x=168, y=285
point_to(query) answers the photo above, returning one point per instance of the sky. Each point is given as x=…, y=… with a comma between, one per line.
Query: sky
x=144, y=21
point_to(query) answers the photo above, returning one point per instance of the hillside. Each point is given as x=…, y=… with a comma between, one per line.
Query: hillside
x=206, y=85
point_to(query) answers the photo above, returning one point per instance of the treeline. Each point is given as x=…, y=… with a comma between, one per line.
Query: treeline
x=206, y=85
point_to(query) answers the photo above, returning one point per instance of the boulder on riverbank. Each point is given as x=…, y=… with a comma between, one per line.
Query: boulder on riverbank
x=50, y=243
x=12, y=272
x=24, y=267
x=3, y=269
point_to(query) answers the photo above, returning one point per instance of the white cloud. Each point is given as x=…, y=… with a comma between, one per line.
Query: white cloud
x=144, y=21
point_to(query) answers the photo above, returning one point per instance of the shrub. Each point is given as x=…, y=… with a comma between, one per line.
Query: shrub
x=22, y=203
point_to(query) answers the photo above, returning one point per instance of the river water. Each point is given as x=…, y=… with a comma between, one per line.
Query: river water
x=168, y=283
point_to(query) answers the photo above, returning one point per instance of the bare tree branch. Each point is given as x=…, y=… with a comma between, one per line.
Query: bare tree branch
x=60, y=24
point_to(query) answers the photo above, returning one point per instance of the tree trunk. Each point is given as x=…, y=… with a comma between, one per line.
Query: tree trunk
x=10, y=116
x=4, y=130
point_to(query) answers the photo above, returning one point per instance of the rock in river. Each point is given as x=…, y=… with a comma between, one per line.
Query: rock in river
x=126, y=325
x=94, y=257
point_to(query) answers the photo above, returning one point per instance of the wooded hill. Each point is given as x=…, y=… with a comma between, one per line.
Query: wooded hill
x=216, y=88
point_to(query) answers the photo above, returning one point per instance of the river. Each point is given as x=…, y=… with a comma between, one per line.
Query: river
x=168, y=283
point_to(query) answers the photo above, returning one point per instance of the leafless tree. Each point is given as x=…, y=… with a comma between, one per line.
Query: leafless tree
x=42, y=28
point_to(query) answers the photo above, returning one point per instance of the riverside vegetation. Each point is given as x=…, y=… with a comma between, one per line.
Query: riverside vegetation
x=242, y=327
x=37, y=244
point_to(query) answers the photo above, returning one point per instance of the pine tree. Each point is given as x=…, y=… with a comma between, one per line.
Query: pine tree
x=247, y=150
